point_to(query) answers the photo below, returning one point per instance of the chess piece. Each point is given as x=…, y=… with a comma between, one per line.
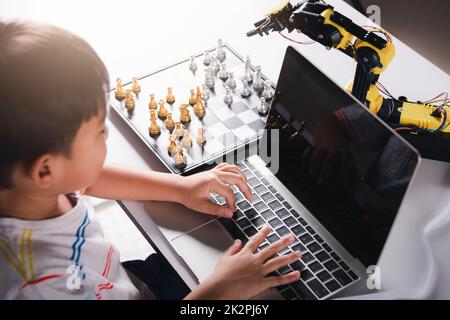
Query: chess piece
x=120, y=94
x=187, y=140
x=193, y=64
x=231, y=83
x=223, y=73
x=162, y=112
x=198, y=93
x=179, y=158
x=172, y=144
x=199, y=108
x=201, y=140
x=170, y=97
x=205, y=93
x=178, y=131
x=130, y=102
x=192, y=98
x=207, y=58
x=154, y=129
x=169, y=122
x=258, y=84
x=220, y=52
x=185, y=117
x=245, y=92
x=262, y=108
x=215, y=67
x=267, y=93
x=248, y=73
x=209, y=79
x=152, y=103
x=228, y=98
x=136, y=87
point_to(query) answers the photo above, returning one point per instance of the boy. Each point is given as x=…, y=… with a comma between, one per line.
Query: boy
x=52, y=149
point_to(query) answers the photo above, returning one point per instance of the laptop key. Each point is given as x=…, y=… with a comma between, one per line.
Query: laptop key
x=344, y=266
x=318, y=288
x=295, y=213
x=250, y=213
x=272, y=238
x=298, y=230
x=342, y=277
x=298, y=247
x=238, y=197
x=244, y=205
x=275, y=222
x=272, y=189
x=260, y=206
x=324, y=276
x=279, y=197
x=268, y=214
x=250, y=231
x=331, y=265
x=221, y=200
x=253, y=181
x=352, y=275
x=237, y=214
x=327, y=247
x=310, y=230
x=258, y=222
x=305, y=238
x=306, y=275
x=248, y=173
x=288, y=294
x=315, y=266
x=241, y=165
x=332, y=285
x=302, y=221
x=282, y=231
x=307, y=257
x=284, y=270
x=264, y=181
x=297, y=265
x=314, y=247
x=287, y=205
x=267, y=197
x=335, y=256
x=318, y=238
x=274, y=205
x=282, y=213
x=290, y=221
x=263, y=246
x=258, y=174
x=260, y=189
x=322, y=256
x=255, y=199
x=302, y=290
x=243, y=223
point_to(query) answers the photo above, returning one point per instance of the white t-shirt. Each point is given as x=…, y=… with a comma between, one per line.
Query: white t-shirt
x=61, y=258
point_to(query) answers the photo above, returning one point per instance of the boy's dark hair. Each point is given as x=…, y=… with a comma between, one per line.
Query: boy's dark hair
x=51, y=81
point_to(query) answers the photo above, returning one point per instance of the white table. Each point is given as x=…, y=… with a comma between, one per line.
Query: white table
x=135, y=37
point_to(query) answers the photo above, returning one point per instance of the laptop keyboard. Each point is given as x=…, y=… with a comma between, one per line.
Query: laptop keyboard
x=322, y=270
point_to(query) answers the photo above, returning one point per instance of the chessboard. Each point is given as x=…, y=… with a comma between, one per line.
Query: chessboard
x=226, y=125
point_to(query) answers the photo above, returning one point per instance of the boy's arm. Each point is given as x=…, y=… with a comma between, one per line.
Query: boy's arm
x=192, y=191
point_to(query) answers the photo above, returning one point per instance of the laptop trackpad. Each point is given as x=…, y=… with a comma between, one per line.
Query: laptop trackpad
x=203, y=247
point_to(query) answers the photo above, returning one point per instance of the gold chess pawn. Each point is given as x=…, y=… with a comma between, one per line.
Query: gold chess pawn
x=154, y=129
x=187, y=140
x=172, y=144
x=162, y=112
x=130, y=102
x=192, y=99
x=136, y=88
x=185, y=117
x=201, y=140
x=152, y=104
x=170, y=97
x=179, y=158
x=178, y=131
x=120, y=94
x=199, y=108
x=170, y=124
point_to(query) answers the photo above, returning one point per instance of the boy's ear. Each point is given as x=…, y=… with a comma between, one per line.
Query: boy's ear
x=42, y=171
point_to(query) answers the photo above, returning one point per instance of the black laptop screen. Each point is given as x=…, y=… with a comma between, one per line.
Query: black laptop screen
x=343, y=164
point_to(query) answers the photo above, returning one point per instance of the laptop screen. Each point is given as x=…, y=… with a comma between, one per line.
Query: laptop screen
x=342, y=163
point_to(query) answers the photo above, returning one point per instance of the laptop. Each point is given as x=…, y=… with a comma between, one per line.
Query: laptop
x=325, y=170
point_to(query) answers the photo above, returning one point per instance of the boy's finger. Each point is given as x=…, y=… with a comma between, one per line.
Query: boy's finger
x=235, y=169
x=216, y=209
x=280, y=280
x=257, y=239
x=234, y=178
x=235, y=248
x=275, y=247
x=225, y=191
x=278, y=262
x=220, y=165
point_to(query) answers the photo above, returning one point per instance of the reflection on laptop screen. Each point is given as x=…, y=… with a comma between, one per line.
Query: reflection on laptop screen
x=346, y=167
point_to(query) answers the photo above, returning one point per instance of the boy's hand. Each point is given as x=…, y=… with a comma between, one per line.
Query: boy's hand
x=195, y=190
x=242, y=274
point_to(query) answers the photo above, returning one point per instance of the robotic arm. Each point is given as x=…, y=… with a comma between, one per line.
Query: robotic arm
x=372, y=53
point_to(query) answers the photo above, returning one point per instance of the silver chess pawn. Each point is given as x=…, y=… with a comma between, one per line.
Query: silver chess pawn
x=220, y=52
x=258, y=84
x=245, y=91
x=209, y=78
x=231, y=83
x=205, y=93
x=262, y=108
x=228, y=98
x=207, y=58
x=248, y=73
x=223, y=73
x=268, y=92
x=193, y=65
x=214, y=65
